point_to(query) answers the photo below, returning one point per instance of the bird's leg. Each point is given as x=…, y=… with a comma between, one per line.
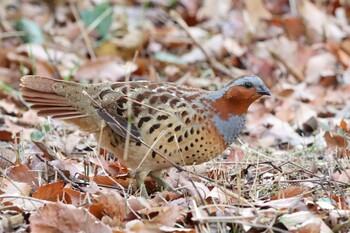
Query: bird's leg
x=157, y=176
x=140, y=178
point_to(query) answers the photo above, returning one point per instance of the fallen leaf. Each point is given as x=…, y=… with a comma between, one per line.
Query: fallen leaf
x=165, y=215
x=50, y=192
x=58, y=217
x=257, y=13
x=22, y=173
x=104, y=69
x=7, y=157
x=111, y=204
x=304, y=222
x=289, y=192
x=337, y=143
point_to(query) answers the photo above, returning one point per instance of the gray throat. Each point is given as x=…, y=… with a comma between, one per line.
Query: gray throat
x=230, y=128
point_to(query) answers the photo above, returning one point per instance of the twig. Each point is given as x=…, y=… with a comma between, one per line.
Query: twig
x=83, y=31
x=60, y=173
x=23, y=197
x=99, y=19
x=217, y=67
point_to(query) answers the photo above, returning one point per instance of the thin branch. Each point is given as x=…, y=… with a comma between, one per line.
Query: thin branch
x=216, y=66
x=83, y=31
x=60, y=173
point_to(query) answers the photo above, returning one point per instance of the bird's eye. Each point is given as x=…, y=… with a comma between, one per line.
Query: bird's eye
x=248, y=85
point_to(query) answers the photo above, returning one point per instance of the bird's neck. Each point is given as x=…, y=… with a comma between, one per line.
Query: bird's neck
x=228, y=116
x=225, y=107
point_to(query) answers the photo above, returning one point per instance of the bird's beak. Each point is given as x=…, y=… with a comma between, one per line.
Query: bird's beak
x=263, y=91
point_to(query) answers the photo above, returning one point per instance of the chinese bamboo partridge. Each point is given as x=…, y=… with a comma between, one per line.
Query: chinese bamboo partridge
x=186, y=125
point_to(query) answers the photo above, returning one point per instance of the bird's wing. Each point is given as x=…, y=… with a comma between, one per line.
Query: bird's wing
x=145, y=109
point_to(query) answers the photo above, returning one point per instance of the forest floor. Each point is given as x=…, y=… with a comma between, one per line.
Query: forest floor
x=288, y=172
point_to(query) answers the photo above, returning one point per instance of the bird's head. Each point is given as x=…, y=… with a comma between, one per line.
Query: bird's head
x=238, y=95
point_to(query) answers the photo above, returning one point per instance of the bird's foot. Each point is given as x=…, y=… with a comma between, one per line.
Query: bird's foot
x=157, y=176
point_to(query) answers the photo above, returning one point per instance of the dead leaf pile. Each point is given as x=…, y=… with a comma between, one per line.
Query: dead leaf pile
x=289, y=172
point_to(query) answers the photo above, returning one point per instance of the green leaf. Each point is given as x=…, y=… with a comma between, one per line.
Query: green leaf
x=170, y=58
x=9, y=90
x=37, y=136
x=47, y=128
x=101, y=15
x=33, y=32
x=325, y=127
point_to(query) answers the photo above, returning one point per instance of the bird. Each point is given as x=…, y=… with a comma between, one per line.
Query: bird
x=150, y=126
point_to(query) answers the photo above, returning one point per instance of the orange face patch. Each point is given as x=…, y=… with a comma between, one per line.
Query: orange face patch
x=235, y=101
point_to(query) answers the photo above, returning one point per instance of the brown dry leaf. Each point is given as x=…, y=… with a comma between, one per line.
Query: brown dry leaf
x=291, y=191
x=18, y=129
x=50, y=192
x=131, y=42
x=111, y=181
x=21, y=173
x=109, y=203
x=72, y=165
x=337, y=143
x=199, y=188
x=344, y=126
x=12, y=192
x=304, y=222
x=293, y=54
x=58, y=217
x=8, y=75
x=236, y=155
x=338, y=51
x=136, y=204
x=176, y=230
x=42, y=67
x=282, y=131
x=213, y=47
x=112, y=168
x=137, y=226
x=294, y=27
x=72, y=196
x=319, y=64
x=219, y=195
x=71, y=141
x=36, y=11
x=104, y=69
x=7, y=157
x=210, y=9
x=68, y=61
x=166, y=196
x=257, y=13
x=287, y=203
x=343, y=176
x=8, y=106
x=14, y=188
x=30, y=117
x=10, y=222
x=319, y=24
x=165, y=216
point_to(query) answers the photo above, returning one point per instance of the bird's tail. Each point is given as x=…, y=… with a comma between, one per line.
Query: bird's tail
x=51, y=97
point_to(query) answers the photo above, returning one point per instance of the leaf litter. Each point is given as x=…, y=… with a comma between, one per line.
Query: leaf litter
x=288, y=172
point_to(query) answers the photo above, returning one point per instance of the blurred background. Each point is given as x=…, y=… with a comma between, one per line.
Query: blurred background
x=296, y=143
x=301, y=49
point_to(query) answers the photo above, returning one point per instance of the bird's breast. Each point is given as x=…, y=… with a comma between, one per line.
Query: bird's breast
x=229, y=128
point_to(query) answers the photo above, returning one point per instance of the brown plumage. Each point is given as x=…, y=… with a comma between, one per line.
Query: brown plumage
x=187, y=125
